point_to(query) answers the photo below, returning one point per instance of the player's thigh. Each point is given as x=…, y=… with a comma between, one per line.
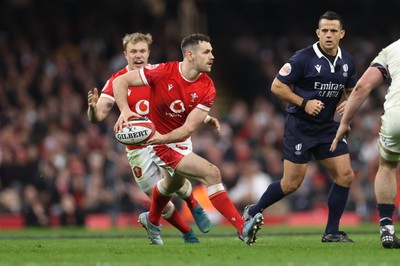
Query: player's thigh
x=199, y=169
x=340, y=169
x=293, y=175
x=389, y=135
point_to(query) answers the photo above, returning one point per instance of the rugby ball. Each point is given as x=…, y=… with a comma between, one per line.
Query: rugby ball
x=136, y=131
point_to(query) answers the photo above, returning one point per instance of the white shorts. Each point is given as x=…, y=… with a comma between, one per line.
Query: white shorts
x=389, y=135
x=145, y=171
x=168, y=156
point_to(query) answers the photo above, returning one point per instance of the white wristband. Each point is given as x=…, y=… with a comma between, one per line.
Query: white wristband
x=207, y=119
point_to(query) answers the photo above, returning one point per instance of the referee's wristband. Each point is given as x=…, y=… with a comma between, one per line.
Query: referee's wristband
x=303, y=104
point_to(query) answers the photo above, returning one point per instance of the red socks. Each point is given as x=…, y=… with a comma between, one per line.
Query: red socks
x=224, y=205
x=191, y=201
x=158, y=204
x=176, y=220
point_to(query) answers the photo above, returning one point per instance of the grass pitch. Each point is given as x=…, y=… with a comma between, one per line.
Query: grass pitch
x=276, y=246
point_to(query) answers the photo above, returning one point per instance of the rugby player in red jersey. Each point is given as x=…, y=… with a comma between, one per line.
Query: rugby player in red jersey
x=182, y=94
x=146, y=173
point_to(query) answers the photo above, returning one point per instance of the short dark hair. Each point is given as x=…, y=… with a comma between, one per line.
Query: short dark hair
x=330, y=15
x=193, y=40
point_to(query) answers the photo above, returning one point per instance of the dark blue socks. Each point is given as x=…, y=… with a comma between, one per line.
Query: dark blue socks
x=386, y=214
x=337, y=200
x=273, y=194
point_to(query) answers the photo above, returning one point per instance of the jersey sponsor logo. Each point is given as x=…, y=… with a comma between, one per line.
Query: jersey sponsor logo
x=150, y=67
x=298, y=149
x=170, y=86
x=328, y=90
x=285, y=70
x=318, y=68
x=142, y=107
x=177, y=106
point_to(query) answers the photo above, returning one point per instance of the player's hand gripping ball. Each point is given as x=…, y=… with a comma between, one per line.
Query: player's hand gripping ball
x=136, y=132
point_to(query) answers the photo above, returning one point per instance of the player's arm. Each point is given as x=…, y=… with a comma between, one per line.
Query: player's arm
x=371, y=79
x=120, y=89
x=93, y=97
x=285, y=93
x=193, y=121
x=98, y=108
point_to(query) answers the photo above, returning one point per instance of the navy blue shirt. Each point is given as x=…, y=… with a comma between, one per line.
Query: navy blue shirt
x=313, y=76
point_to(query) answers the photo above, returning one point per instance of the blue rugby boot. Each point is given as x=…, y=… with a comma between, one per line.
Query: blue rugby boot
x=153, y=231
x=250, y=229
x=201, y=218
x=190, y=238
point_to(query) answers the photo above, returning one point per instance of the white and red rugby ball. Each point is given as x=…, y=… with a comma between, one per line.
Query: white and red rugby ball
x=136, y=131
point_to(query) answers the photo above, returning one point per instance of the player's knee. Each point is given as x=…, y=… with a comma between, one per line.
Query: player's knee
x=213, y=176
x=346, y=179
x=289, y=187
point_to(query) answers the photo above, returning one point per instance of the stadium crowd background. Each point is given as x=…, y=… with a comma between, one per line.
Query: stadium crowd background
x=54, y=163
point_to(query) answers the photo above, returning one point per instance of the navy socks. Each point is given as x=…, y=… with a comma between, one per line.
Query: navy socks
x=337, y=200
x=386, y=214
x=271, y=195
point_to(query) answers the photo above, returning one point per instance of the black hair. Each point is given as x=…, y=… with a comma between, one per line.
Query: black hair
x=330, y=15
x=193, y=40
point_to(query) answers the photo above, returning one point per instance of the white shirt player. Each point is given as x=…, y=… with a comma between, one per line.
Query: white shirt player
x=389, y=58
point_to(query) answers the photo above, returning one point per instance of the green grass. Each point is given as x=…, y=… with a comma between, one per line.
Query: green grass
x=276, y=246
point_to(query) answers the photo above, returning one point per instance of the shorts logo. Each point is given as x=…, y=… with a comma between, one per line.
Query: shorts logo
x=285, y=70
x=298, y=148
x=137, y=171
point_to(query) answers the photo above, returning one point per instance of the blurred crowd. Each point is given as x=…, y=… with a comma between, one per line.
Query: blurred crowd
x=53, y=162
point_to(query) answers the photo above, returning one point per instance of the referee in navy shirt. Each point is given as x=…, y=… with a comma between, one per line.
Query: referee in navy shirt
x=313, y=82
